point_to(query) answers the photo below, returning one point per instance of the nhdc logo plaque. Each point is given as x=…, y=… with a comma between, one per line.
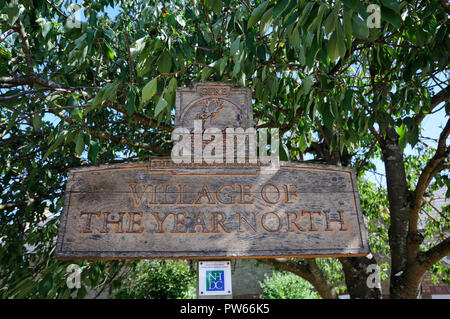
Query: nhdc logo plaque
x=214, y=278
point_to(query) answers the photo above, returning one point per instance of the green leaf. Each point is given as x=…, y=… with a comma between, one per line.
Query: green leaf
x=328, y=118
x=431, y=24
x=130, y=105
x=37, y=120
x=160, y=106
x=340, y=40
x=332, y=47
x=222, y=64
x=144, y=65
x=257, y=14
x=334, y=109
x=110, y=91
x=217, y=6
x=46, y=27
x=274, y=87
x=391, y=4
x=284, y=152
x=311, y=54
x=306, y=12
x=307, y=83
x=45, y=285
x=149, y=90
x=93, y=150
x=391, y=17
x=266, y=22
x=81, y=41
x=348, y=98
x=81, y=293
x=331, y=21
x=279, y=7
x=401, y=131
x=137, y=47
x=334, y=143
x=55, y=144
x=109, y=52
x=12, y=121
x=347, y=23
x=302, y=143
x=341, y=144
x=164, y=62
x=234, y=48
x=12, y=11
x=172, y=85
x=79, y=143
x=206, y=72
x=317, y=22
x=359, y=27
x=96, y=102
x=352, y=4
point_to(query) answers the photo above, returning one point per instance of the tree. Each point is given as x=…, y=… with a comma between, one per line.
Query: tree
x=286, y=286
x=101, y=89
x=159, y=279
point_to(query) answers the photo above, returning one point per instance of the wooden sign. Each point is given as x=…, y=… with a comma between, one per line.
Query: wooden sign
x=161, y=210
x=219, y=105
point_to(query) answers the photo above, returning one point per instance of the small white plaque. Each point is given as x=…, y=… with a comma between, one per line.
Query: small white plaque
x=214, y=278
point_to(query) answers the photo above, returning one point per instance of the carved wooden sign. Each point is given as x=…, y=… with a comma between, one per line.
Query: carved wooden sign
x=141, y=211
x=219, y=105
x=159, y=209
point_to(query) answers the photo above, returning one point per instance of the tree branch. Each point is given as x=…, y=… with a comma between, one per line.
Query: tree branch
x=366, y=158
x=377, y=136
x=438, y=98
x=114, y=139
x=292, y=122
x=444, y=4
x=433, y=255
x=57, y=9
x=308, y=270
x=431, y=168
x=31, y=80
x=35, y=79
x=141, y=118
x=210, y=27
x=26, y=46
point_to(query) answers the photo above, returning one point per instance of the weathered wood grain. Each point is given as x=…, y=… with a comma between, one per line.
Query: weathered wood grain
x=162, y=210
x=142, y=211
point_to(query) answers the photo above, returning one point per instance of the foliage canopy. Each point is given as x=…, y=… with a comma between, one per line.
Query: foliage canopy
x=99, y=87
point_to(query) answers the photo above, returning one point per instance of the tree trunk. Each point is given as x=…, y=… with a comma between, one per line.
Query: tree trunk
x=399, y=208
x=357, y=272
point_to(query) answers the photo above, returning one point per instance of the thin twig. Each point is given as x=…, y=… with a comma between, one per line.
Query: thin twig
x=115, y=139
x=57, y=9
x=368, y=154
x=210, y=27
x=26, y=46
x=438, y=211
